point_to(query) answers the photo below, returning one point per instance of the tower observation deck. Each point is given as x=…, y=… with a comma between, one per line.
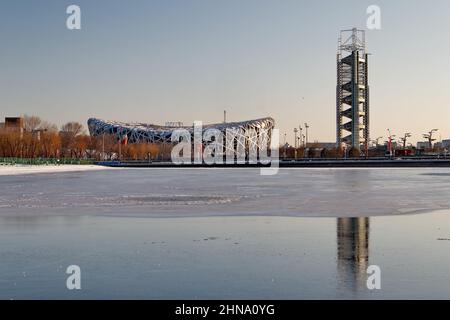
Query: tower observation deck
x=352, y=90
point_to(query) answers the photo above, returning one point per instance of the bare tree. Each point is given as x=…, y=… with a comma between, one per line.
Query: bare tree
x=31, y=123
x=47, y=126
x=72, y=129
x=69, y=132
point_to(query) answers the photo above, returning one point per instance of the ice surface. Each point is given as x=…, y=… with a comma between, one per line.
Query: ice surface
x=224, y=257
x=206, y=192
x=235, y=243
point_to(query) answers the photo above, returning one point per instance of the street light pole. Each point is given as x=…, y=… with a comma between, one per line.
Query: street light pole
x=390, y=137
x=429, y=136
x=301, y=135
x=306, y=129
x=295, y=143
x=404, y=139
x=295, y=137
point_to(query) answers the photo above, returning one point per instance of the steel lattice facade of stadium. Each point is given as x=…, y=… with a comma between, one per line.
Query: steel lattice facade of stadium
x=148, y=133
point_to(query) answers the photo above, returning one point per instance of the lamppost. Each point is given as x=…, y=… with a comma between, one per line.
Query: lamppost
x=301, y=135
x=306, y=131
x=295, y=137
x=405, y=137
x=295, y=143
x=390, y=139
x=429, y=137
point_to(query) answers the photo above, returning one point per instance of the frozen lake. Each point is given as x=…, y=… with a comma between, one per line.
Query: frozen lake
x=211, y=192
x=226, y=233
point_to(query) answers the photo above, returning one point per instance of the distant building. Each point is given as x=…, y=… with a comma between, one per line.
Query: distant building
x=393, y=143
x=14, y=123
x=244, y=139
x=422, y=145
x=446, y=143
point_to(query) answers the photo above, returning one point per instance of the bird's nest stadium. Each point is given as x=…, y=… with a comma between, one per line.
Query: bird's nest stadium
x=252, y=134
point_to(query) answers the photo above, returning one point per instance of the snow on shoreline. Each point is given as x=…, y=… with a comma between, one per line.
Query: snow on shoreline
x=12, y=170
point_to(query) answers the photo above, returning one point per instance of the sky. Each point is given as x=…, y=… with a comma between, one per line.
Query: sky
x=185, y=60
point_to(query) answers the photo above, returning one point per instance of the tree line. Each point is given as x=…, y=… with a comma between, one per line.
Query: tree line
x=42, y=139
x=316, y=151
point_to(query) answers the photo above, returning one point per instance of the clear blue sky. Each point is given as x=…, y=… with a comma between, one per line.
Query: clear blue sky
x=184, y=60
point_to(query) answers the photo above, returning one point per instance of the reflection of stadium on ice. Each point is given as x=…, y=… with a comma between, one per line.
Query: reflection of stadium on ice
x=353, y=251
x=238, y=138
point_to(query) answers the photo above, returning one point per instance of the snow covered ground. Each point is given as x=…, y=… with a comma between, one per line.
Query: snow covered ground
x=9, y=170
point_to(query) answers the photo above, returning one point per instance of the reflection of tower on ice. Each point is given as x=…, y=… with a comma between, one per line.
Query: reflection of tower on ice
x=353, y=250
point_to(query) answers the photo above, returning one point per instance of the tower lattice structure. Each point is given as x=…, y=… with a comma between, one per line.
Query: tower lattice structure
x=352, y=91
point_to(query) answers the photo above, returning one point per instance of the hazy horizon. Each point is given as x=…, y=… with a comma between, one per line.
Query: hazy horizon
x=158, y=61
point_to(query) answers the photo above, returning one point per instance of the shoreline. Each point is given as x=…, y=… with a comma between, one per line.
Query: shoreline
x=14, y=170
x=309, y=163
